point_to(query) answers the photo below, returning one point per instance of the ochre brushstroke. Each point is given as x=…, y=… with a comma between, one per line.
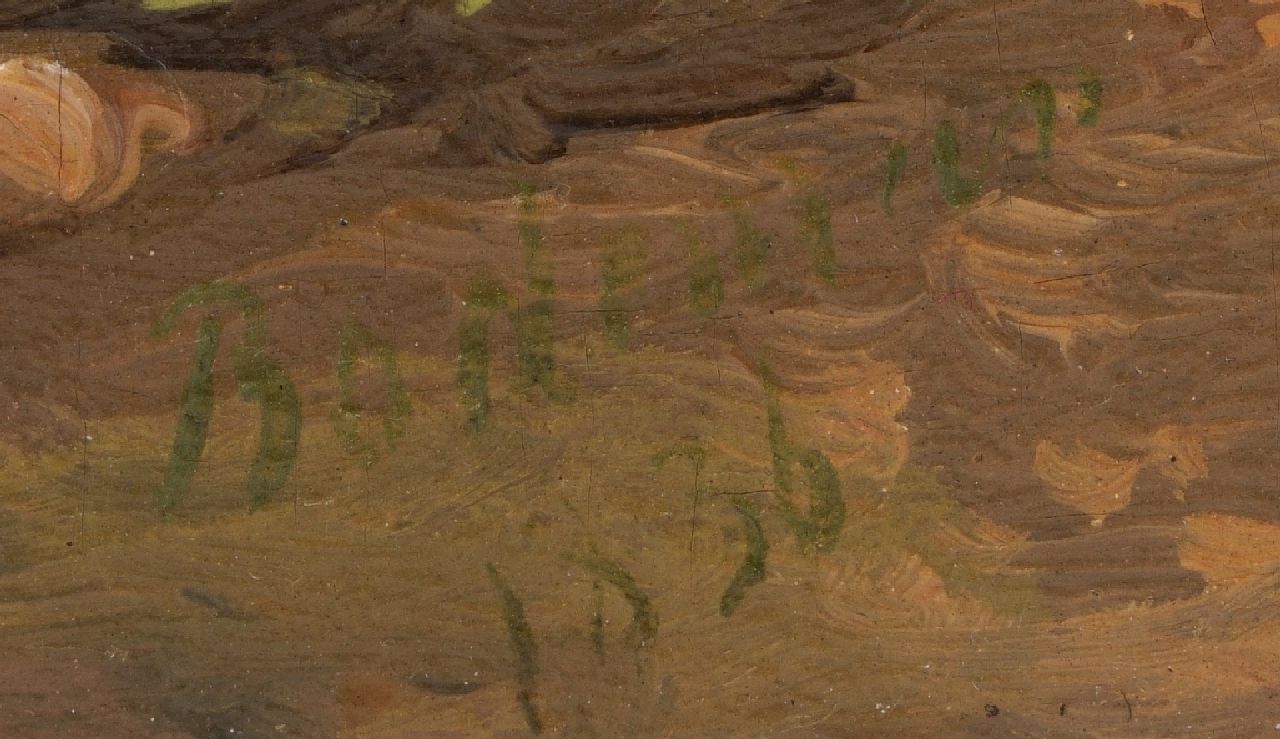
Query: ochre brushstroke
x=1269, y=29
x=903, y=589
x=1178, y=453
x=850, y=412
x=1001, y=291
x=917, y=546
x=1086, y=479
x=1096, y=483
x=54, y=138
x=1228, y=549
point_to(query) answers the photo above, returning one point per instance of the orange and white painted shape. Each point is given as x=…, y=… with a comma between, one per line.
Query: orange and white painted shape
x=70, y=145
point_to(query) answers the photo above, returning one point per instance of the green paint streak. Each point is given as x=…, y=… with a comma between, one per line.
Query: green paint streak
x=1091, y=91
x=779, y=445
x=523, y=647
x=706, y=283
x=816, y=231
x=193, y=424
x=818, y=528
x=1040, y=95
x=895, y=164
x=473, y=367
x=617, y=324
x=259, y=379
x=357, y=338
x=470, y=7
x=535, y=355
x=597, y=621
x=625, y=259
x=535, y=320
x=265, y=382
x=308, y=102
x=179, y=4
x=486, y=293
x=752, y=249
x=825, y=519
x=956, y=189
x=644, y=621
x=483, y=298
x=211, y=293
x=752, y=570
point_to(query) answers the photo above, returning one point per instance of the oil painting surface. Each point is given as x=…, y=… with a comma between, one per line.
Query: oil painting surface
x=434, y=368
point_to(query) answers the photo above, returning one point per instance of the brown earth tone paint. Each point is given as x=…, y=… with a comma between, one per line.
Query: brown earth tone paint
x=646, y=368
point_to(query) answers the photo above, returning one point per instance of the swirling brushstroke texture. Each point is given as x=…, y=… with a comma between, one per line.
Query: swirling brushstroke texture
x=68, y=146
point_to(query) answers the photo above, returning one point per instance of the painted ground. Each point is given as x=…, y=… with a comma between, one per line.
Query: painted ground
x=773, y=368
